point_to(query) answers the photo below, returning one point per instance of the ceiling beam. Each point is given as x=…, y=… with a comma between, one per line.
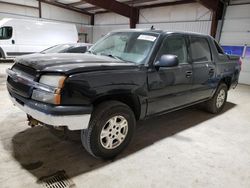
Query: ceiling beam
x=133, y=2
x=152, y=5
x=76, y=3
x=40, y=9
x=119, y=8
x=166, y=4
x=130, y=3
x=211, y=4
x=216, y=15
x=65, y=6
x=113, y=6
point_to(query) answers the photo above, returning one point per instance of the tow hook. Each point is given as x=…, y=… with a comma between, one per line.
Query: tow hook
x=32, y=122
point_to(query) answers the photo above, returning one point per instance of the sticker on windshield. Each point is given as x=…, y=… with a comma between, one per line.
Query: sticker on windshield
x=147, y=37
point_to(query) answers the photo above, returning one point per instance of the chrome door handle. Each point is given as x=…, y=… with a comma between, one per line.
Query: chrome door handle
x=189, y=74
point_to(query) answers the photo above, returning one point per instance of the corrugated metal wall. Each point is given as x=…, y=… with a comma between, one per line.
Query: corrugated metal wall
x=195, y=26
x=101, y=30
x=187, y=17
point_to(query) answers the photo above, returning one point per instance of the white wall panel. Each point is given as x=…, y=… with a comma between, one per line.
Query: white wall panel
x=236, y=25
x=238, y=11
x=232, y=2
x=57, y=13
x=185, y=12
x=190, y=17
x=99, y=31
x=235, y=38
x=23, y=2
x=25, y=11
x=192, y=26
x=110, y=18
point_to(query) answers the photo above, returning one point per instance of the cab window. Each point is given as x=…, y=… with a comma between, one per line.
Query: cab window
x=200, y=49
x=218, y=48
x=5, y=33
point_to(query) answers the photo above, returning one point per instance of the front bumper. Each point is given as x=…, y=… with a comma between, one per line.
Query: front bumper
x=74, y=117
x=56, y=117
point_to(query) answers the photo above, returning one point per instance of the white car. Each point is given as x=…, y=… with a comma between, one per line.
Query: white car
x=19, y=36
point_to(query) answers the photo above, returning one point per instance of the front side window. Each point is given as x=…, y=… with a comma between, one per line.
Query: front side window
x=174, y=45
x=127, y=46
x=5, y=33
x=200, y=49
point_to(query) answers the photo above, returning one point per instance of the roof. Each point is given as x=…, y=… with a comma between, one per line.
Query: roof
x=159, y=31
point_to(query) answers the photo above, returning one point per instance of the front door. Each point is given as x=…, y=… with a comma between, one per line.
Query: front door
x=170, y=87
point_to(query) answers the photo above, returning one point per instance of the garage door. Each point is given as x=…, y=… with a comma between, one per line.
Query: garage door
x=235, y=36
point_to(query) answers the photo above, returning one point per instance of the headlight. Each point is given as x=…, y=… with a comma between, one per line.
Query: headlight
x=56, y=81
x=53, y=80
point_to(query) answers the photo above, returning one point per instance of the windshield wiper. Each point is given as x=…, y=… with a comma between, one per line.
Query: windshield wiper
x=91, y=52
x=112, y=56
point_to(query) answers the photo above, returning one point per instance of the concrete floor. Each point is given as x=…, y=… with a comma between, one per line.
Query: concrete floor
x=187, y=148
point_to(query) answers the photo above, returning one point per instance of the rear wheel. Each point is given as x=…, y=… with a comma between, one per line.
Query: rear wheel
x=216, y=104
x=110, y=129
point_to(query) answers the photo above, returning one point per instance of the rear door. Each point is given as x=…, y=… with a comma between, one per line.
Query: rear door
x=203, y=67
x=170, y=87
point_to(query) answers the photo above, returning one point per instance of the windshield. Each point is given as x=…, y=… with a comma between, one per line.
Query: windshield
x=127, y=46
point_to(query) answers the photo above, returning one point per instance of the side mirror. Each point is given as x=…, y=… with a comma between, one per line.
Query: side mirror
x=167, y=61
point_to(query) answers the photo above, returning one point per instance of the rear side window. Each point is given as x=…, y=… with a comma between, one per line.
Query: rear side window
x=218, y=48
x=200, y=49
x=5, y=33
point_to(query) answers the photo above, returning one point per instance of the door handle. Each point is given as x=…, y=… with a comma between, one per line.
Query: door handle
x=211, y=71
x=13, y=41
x=189, y=74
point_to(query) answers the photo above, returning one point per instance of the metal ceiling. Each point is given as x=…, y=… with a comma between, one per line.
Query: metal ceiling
x=93, y=9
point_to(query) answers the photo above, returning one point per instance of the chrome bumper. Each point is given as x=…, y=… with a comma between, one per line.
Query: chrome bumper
x=73, y=122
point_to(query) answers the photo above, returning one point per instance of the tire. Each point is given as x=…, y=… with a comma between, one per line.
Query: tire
x=218, y=101
x=107, y=119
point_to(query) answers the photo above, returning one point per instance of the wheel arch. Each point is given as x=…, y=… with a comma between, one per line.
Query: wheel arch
x=227, y=80
x=131, y=100
x=2, y=54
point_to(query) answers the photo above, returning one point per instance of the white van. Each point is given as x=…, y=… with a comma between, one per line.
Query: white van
x=19, y=37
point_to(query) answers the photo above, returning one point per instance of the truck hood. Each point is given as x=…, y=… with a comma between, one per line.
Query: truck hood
x=69, y=63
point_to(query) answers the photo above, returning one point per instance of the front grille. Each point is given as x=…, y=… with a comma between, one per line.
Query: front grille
x=19, y=88
x=25, y=70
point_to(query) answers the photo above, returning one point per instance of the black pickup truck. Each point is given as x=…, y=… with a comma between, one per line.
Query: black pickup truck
x=126, y=76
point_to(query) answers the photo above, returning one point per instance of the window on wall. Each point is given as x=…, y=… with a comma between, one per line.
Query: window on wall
x=233, y=50
x=174, y=45
x=5, y=33
x=247, y=54
x=200, y=49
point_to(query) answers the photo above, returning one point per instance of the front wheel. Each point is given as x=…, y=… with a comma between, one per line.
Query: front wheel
x=110, y=129
x=218, y=101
